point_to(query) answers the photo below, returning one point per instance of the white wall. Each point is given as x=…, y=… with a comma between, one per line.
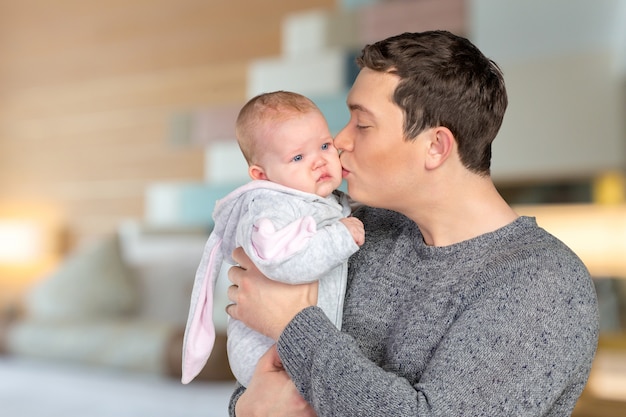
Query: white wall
x=566, y=93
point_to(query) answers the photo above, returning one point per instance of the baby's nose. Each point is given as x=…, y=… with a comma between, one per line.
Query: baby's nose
x=319, y=163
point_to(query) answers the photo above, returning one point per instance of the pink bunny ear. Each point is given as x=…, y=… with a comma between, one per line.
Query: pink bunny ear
x=200, y=334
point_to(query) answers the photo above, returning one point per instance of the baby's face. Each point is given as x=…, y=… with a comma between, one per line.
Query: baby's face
x=300, y=154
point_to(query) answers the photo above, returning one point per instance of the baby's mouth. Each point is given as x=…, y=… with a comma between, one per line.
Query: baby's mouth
x=324, y=177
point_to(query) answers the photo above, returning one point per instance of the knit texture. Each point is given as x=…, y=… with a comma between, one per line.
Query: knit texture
x=505, y=324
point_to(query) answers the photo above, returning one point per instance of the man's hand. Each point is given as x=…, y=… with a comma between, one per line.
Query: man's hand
x=271, y=392
x=264, y=305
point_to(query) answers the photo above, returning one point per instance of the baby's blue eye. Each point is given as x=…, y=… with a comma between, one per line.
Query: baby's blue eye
x=325, y=146
x=297, y=158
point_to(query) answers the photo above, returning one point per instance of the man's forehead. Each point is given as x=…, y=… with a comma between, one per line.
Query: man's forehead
x=371, y=89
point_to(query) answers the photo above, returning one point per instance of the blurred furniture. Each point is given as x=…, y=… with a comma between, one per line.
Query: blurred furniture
x=120, y=302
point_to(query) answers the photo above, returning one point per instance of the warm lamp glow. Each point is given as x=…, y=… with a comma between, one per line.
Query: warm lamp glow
x=596, y=233
x=23, y=254
x=29, y=249
x=20, y=242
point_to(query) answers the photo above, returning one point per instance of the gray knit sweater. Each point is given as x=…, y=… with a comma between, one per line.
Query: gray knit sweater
x=505, y=324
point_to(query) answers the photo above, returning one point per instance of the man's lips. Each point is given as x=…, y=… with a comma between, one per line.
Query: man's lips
x=344, y=172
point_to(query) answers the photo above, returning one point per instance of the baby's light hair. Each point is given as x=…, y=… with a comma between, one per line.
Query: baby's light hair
x=263, y=109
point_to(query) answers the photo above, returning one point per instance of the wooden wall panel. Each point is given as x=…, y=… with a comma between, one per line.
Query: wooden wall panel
x=87, y=90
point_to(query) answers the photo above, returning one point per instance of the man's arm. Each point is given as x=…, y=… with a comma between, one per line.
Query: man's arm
x=522, y=355
x=234, y=398
x=492, y=360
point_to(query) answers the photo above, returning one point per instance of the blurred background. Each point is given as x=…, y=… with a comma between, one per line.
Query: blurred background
x=116, y=138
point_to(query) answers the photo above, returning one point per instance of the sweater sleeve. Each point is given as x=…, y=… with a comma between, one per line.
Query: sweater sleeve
x=335, y=377
x=238, y=392
x=522, y=351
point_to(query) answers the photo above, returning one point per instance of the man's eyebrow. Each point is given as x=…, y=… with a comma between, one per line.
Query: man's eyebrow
x=358, y=107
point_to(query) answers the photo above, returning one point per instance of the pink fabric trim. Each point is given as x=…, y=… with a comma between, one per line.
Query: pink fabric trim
x=201, y=335
x=272, y=244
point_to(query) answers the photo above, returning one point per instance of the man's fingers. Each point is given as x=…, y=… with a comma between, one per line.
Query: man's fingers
x=239, y=256
x=231, y=292
x=231, y=310
x=270, y=361
x=234, y=274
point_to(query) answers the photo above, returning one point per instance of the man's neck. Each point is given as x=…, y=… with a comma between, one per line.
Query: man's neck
x=461, y=211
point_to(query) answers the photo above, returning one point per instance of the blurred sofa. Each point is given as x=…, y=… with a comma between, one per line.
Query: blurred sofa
x=120, y=302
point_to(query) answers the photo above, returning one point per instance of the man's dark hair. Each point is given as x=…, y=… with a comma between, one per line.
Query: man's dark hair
x=444, y=81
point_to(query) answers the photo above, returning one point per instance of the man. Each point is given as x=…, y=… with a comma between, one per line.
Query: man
x=455, y=305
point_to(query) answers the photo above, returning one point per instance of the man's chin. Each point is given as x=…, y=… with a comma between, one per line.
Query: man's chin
x=351, y=189
x=355, y=193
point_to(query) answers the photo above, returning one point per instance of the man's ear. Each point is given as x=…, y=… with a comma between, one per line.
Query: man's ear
x=256, y=172
x=440, y=146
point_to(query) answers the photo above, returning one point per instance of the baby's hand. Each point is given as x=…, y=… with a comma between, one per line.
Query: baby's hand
x=355, y=226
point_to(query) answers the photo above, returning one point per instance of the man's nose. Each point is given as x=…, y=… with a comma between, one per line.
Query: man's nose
x=342, y=141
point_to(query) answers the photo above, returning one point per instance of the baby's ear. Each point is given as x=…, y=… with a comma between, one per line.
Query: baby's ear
x=257, y=173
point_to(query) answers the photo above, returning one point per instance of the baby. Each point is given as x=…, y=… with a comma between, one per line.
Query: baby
x=290, y=220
